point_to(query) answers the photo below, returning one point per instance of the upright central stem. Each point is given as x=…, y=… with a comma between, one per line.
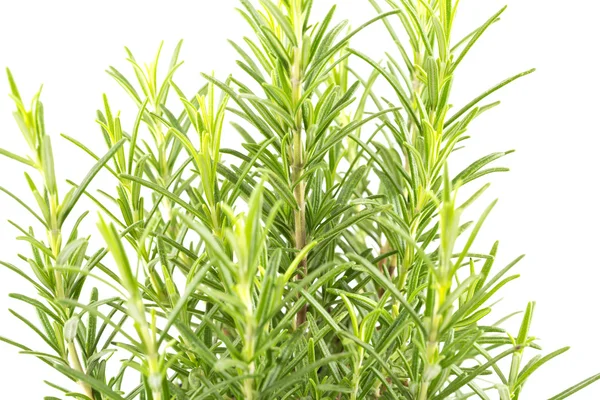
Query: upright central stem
x=55, y=238
x=298, y=148
x=432, y=348
x=147, y=335
x=249, y=343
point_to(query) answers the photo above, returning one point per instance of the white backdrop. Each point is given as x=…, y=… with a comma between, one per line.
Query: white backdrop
x=548, y=203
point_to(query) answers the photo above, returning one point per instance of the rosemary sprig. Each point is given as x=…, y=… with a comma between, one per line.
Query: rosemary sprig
x=328, y=259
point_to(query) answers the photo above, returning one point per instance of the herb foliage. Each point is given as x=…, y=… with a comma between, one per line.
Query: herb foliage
x=328, y=259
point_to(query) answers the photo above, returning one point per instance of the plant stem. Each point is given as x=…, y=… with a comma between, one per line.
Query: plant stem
x=249, y=341
x=148, y=337
x=432, y=347
x=76, y=365
x=55, y=238
x=357, y=375
x=154, y=373
x=74, y=361
x=249, y=355
x=298, y=149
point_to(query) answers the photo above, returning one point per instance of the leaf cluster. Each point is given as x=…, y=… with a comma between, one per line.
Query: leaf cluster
x=328, y=258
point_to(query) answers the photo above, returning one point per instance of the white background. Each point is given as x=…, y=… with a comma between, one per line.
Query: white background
x=548, y=203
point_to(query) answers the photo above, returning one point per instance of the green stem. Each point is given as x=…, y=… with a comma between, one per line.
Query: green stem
x=356, y=377
x=249, y=343
x=298, y=150
x=432, y=347
x=155, y=376
x=148, y=338
x=54, y=235
x=76, y=365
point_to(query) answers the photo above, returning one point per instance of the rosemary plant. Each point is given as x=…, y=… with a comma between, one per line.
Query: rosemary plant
x=328, y=257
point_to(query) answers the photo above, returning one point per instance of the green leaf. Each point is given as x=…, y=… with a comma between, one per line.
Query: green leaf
x=284, y=22
x=115, y=246
x=576, y=388
x=164, y=192
x=530, y=369
x=299, y=375
x=66, y=209
x=467, y=377
x=385, y=283
x=48, y=165
x=476, y=35
x=485, y=94
x=93, y=382
x=25, y=160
